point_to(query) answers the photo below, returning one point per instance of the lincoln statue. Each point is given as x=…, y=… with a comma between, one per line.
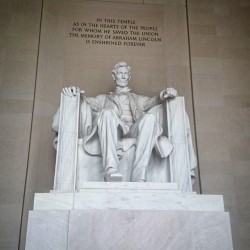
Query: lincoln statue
x=123, y=114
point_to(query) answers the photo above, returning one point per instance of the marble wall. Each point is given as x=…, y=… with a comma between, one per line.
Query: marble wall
x=19, y=28
x=217, y=97
x=220, y=58
x=65, y=60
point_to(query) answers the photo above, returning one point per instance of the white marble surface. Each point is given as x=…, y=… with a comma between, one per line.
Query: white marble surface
x=115, y=229
x=47, y=230
x=130, y=200
x=128, y=229
x=130, y=196
x=172, y=230
x=212, y=230
x=53, y=201
x=129, y=185
x=128, y=216
x=205, y=202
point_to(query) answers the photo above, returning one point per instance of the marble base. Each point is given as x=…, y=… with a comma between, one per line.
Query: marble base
x=114, y=217
x=130, y=196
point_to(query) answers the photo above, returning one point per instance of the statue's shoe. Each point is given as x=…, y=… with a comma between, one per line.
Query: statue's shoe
x=112, y=177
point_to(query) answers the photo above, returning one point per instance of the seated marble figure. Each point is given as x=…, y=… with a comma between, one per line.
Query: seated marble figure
x=125, y=116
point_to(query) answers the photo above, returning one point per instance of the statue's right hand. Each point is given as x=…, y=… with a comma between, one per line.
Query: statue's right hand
x=71, y=91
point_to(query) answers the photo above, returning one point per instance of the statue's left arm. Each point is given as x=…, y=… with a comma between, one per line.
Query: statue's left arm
x=150, y=102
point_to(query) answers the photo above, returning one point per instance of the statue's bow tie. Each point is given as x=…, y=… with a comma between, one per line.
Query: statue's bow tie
x=120, y=90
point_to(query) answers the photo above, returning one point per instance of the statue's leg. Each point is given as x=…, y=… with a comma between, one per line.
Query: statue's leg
x=108, y=124
x=145, y=131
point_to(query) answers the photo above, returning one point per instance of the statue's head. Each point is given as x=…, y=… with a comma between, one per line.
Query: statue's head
x=121, y=74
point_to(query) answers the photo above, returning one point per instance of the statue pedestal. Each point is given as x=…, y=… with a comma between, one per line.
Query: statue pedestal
x=128, y=216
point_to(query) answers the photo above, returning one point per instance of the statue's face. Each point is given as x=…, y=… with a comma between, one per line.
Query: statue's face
x=122, y=76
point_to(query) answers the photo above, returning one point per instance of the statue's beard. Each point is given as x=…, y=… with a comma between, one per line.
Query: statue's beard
x=122, y=83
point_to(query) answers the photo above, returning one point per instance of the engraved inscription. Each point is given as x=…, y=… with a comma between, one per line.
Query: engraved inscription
x=120, y=32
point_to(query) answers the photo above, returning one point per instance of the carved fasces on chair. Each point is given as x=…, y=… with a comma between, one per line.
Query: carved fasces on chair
x=182, y=159
x=66, y=158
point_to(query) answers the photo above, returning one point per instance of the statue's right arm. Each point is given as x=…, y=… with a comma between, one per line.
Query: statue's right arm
x=71, y=91
x=96, y=103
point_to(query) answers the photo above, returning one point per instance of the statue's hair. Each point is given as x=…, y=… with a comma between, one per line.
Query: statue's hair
x=119, y=65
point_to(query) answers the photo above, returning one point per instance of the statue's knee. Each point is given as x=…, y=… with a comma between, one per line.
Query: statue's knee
x=108, y=116
x=107, y=113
